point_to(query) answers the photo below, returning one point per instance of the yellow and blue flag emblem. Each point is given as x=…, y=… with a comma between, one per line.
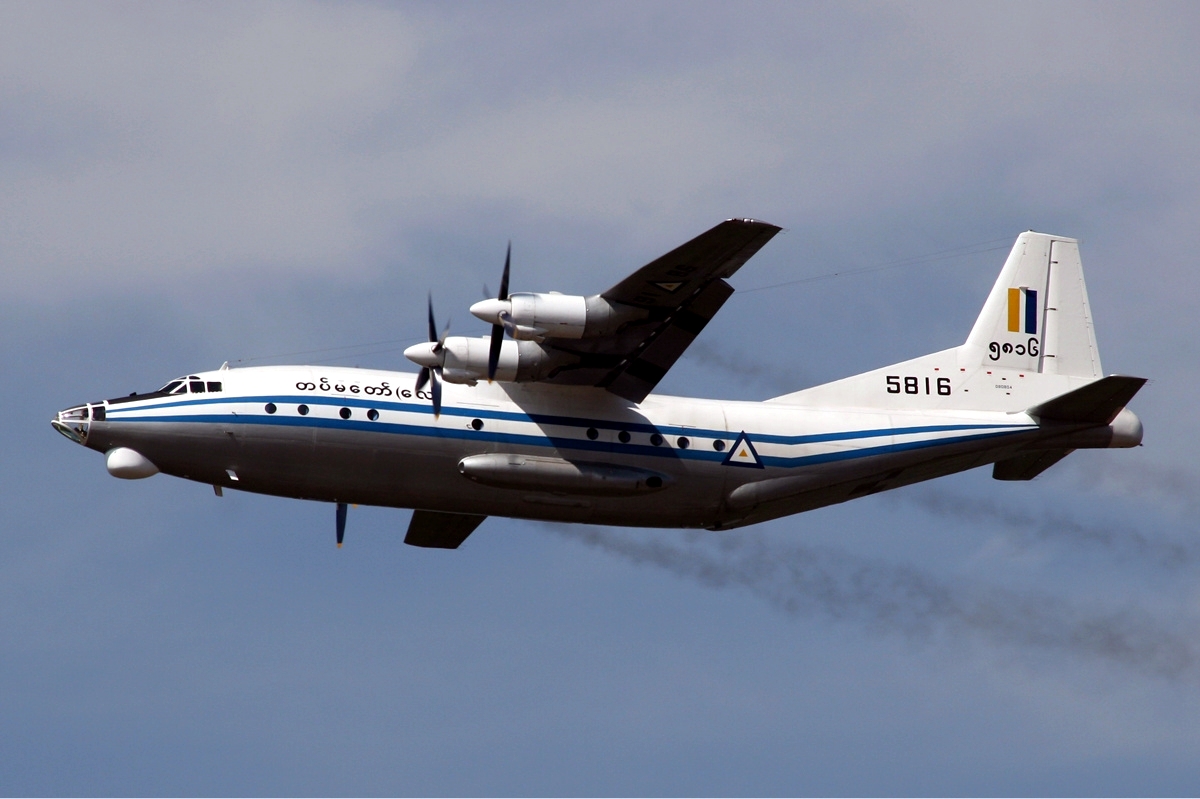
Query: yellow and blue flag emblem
x=1022, y=311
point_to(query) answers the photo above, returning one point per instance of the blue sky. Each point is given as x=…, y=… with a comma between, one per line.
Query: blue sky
x=189, y=184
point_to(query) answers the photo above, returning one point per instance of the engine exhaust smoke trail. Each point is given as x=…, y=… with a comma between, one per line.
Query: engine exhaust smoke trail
x=1155, y=483
x=808, y=581
x=741, y=369
x=1049, y=527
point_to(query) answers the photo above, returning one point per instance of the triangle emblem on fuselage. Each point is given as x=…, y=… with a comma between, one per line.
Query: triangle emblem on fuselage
x=742, y=453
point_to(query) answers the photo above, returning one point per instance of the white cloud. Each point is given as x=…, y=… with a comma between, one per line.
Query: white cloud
x=149, y=142
x=145, y=144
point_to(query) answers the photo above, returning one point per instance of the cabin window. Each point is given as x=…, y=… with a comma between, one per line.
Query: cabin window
x=196, y=386
x=214, y=385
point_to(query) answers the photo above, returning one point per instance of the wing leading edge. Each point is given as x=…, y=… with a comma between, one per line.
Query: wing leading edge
x=678, y=294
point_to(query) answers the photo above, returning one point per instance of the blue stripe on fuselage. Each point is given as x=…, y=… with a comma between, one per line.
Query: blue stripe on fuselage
x=558, y=442
x=573, y=421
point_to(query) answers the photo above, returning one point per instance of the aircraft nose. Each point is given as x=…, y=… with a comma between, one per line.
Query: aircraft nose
x=72, y=423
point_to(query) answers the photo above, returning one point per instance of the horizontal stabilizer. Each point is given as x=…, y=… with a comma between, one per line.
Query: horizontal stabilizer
x=1029, y=465
x=1095, y=403
x=440, y=530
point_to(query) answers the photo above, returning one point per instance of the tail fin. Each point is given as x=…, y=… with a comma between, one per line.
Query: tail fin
x=1032, y=342
x=1037, y=317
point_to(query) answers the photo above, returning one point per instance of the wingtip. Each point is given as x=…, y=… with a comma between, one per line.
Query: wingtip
x=747, y=220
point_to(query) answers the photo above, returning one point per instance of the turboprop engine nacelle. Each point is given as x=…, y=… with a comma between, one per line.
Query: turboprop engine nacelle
x=465, y=360
x=534, y=317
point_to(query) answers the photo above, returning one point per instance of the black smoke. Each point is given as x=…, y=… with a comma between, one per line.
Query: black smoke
x=818, y=582
x=1030, y=527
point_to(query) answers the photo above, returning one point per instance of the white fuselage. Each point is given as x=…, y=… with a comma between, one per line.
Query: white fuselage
x=362, y=436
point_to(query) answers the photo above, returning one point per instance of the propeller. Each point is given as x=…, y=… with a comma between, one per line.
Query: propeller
x=341, y=523
x=498, y=329
x=430, y=373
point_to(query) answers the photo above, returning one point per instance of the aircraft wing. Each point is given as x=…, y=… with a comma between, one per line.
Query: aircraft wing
x=679, y=292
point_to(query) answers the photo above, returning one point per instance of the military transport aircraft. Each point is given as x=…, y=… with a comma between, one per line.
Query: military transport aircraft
x=552, y=416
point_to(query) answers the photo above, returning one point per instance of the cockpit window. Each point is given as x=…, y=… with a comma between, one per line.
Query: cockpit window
x=190, y=383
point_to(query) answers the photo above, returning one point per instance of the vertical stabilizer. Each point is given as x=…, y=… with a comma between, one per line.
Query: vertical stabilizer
x=1037, y=317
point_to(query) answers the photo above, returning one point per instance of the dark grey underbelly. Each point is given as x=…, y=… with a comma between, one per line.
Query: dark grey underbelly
x=401, y=471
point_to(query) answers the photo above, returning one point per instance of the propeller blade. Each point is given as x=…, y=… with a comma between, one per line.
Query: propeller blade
x=504, y=278
x=498, y=330
x=431, y=374
x=494, y=352
x=341, y=523
x=436, y=390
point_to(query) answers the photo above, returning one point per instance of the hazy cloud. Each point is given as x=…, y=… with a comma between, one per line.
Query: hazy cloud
x=152, y=142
